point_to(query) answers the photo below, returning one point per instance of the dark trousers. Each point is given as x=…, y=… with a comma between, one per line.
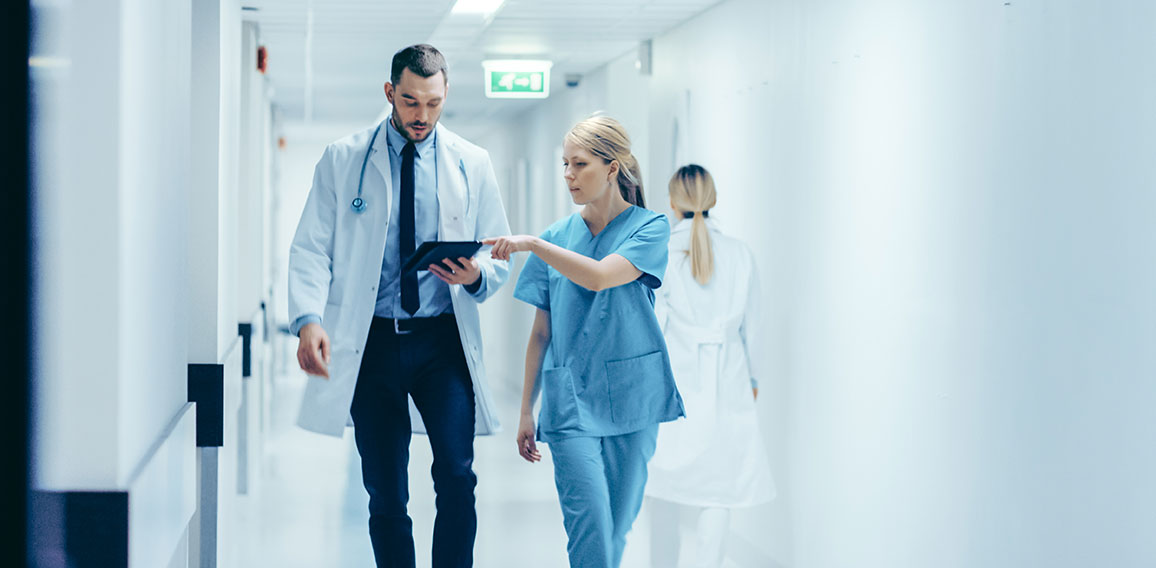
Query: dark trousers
x=429, y=365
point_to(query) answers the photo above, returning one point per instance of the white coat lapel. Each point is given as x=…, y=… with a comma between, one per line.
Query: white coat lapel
x=452, y=191
x=379, y=158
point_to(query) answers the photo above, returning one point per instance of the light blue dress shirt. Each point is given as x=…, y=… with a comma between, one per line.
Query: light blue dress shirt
x=433, y=293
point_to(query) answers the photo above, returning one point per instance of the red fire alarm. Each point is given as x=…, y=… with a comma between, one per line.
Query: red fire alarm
x=262, y=59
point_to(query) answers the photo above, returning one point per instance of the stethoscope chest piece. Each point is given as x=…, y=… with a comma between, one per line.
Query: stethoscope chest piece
x=358, y=204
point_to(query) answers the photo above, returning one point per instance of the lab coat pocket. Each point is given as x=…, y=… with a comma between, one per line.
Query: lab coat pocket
x=559, y=401
x=637, y=388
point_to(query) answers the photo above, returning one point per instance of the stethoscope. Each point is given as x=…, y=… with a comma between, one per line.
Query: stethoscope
x=358, y=204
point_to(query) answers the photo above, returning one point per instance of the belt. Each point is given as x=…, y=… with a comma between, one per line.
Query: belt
x=410, y=325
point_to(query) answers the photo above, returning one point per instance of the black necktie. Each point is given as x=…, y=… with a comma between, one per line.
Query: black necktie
x=409, y=295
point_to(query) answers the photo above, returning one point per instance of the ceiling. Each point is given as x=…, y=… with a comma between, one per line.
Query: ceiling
x=328, y=59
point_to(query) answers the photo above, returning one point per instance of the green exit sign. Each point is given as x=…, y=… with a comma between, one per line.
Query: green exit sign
x=521, y=82
x=517, y=79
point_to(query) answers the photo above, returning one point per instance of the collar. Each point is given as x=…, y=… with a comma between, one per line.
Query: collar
x=397, y=141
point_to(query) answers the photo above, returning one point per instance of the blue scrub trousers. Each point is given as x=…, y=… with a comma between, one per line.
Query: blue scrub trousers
x=600, y=482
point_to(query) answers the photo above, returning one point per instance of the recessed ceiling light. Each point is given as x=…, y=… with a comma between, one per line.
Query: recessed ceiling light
x=477, y=6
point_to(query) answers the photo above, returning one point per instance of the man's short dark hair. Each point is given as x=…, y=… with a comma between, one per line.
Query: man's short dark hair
x=422, y=59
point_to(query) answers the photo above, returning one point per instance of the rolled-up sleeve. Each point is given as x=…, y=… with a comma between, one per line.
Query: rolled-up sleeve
x=646, y=249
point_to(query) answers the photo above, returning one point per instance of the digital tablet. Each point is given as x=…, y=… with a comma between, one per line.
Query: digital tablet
x=435, y=252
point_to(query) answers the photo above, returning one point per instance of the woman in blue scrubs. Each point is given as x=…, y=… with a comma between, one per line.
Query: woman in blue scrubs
x=596, y=351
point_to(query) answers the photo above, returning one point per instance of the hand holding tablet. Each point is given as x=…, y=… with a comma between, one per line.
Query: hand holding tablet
x=437, y=252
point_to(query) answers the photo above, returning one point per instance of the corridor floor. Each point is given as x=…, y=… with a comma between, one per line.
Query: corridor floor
x=310, y=508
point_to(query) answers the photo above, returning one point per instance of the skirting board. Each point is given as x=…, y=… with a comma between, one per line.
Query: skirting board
x=140, y=526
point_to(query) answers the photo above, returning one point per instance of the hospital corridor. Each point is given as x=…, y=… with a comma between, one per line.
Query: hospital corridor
x=601, y=284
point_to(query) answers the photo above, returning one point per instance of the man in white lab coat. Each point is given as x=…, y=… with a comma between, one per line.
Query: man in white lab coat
x=378, y=343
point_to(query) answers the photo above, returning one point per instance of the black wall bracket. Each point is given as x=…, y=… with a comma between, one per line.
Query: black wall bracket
x=246, y=331
x=207, y=389
x=83, y=529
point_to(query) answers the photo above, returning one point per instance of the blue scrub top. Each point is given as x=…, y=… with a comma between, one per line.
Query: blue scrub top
x=606, y=371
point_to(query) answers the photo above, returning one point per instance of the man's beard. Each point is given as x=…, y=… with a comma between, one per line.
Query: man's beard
x=403, y=128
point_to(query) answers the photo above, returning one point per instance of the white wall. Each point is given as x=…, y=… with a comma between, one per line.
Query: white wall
x=77, y=241
x=153, y=199
x=253, y=276
x=216, y=72
x=951, y=193
x=951, y=206
x=972, y=311
x=214, y=217
x=112, y=296
x=112, y=128
x=252, y=187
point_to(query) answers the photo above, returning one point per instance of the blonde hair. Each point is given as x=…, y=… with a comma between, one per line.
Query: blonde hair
x=692, y=191
x=605, y=138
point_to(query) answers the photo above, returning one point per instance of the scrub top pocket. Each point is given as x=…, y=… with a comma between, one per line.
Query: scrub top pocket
x=637, y=388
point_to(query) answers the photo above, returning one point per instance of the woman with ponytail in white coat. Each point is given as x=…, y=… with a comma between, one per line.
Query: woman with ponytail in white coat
x=708, y=308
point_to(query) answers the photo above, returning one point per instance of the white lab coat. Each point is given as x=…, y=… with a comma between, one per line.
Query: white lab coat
x=335, y=263
x=715, y=457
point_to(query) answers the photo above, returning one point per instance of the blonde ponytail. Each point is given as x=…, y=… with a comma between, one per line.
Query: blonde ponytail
x=692, y=192
x=701, y=255
x=630, y=181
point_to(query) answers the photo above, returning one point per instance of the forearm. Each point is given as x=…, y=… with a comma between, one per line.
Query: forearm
x=584, y=271
x=535, y=354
